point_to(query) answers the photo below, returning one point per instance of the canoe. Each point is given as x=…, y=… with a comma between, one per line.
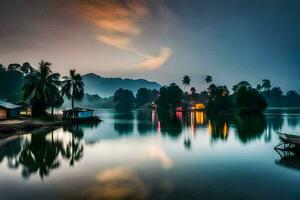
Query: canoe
x=289, y=138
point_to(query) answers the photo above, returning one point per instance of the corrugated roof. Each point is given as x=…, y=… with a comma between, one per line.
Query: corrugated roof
x=8, y=105
x=78, y=110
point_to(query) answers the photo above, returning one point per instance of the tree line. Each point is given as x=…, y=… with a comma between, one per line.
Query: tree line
x=244, y=99
x=125, y=99
x=43, y=88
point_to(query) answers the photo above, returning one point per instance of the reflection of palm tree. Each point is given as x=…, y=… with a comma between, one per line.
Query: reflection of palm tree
x=74, y=150
x=40, y=155
x=10, y=151
x=187, y=143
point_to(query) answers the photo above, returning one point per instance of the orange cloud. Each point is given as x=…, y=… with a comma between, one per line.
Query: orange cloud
x=115, y=41
x=118, y=23
x=155, y=62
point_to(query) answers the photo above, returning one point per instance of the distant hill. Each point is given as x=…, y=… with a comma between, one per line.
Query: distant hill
x=106, y=87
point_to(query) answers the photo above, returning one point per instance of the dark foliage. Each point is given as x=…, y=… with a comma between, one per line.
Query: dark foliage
x=39, y=87
x=124, y=99
x=249, y=101
x=10, y=85
x=219, y=100
x=169, y=97
x=145, y=96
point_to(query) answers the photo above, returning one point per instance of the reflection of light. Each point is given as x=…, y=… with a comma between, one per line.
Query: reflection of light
x=158, y=126
x=209, y=127
x=179, y=115
x=153, y=116
x=192, y=123
x=225, y=130
x=199, y=117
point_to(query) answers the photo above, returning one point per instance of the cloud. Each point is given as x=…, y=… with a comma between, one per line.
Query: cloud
x=117, y=20
x=115, y=41
x=117, y=183
x=155, y=62
x=156, y=152
x=119, y=24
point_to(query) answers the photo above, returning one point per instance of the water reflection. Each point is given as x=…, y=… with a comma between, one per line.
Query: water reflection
x=170, y=124
x=117, y=183
x=218, y=128
x=10, y=152
x=41, y=154
x=145, y=122
x=124, y=123
x=250, y=128
x=289, y=159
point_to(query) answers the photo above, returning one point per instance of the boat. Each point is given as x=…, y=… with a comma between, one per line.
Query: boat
x=288, y=141
x=78, y=115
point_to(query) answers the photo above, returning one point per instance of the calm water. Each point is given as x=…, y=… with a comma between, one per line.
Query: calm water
x=142, y=156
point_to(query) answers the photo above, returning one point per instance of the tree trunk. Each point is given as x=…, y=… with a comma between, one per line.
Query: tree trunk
x=73, y=97
x=52, y=111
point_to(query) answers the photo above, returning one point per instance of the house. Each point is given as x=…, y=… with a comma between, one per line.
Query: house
x=9, y=110
x=200, y=104
x=78, y=114
x=26, y=110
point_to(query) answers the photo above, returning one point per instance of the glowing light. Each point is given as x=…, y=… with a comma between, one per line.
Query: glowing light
x=225, y=130
x=209, y=128
x=199, y=117
x=158, y=127
x=153, y=116
x=179, y=115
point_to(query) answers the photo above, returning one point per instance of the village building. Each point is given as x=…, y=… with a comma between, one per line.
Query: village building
x=78, y=114
x=9, y=110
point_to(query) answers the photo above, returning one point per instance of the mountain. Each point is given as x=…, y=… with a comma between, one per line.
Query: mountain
x=106, y=87
x=91, y=101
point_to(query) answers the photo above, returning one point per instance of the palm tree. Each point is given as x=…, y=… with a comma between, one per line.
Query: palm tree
x=208, y=79
x=193, y=90
x=56, y=100
x=186, y=81
x=39, y=86
x=266, y=85
x=73, y=87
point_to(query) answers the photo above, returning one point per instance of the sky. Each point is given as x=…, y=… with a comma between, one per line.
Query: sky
x=160, y=40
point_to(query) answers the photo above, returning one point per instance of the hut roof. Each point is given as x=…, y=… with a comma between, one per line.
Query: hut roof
x=8, y=105
x=78, y=110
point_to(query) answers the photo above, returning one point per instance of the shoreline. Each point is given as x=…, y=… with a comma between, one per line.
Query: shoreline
x=20, y=127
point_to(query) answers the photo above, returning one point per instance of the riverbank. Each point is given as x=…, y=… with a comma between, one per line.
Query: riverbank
x=17, y=127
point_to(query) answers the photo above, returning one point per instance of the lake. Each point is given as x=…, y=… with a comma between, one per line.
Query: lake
x=141, y=155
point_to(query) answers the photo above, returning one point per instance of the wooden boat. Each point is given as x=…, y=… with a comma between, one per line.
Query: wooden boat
x=288, y=141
